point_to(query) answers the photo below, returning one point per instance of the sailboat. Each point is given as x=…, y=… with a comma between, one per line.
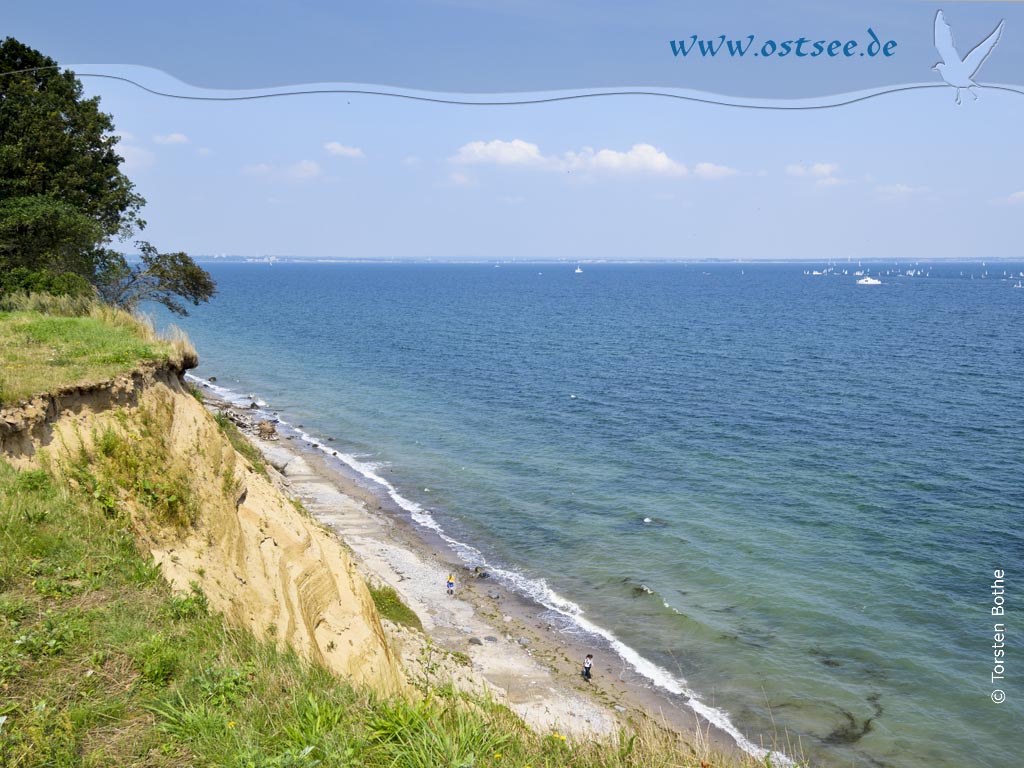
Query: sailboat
x=578, y=270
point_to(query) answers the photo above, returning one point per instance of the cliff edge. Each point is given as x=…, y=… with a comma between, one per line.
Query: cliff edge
x=142, y=444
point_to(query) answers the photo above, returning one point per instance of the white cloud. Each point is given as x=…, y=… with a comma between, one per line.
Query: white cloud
x=822, y=173
x=515, y=152
x=899, y=191
x=134, y=157
x=304, y=169
x=171, y=138
x=824, y=169
x=712, y=171
x=638, y=159
x=204, y=151
x=816, y=170
x=257, y=169
x=641, y=158
x=1017, y=198
x=341, y=150
x=411, y=160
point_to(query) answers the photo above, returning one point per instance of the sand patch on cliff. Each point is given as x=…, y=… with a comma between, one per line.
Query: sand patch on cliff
x=258, y=558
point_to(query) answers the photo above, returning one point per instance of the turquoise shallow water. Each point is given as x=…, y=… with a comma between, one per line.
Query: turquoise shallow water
x=829, y=473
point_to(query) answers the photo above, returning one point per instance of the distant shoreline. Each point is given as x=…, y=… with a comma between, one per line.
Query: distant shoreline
x=611, y=262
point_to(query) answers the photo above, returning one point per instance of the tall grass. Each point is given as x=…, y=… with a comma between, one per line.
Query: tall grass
x=47, y=342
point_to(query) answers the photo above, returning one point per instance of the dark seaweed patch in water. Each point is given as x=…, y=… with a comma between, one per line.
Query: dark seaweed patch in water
x=852, y=730
x=756, y=637
x=863, y=667
x=824, y=658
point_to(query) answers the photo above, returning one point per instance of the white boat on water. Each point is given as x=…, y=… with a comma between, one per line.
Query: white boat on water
x=868, y=280
x=578, y=270
x=1019, y=284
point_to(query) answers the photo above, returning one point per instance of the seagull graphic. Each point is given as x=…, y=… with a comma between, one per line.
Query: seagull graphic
x=956, y=72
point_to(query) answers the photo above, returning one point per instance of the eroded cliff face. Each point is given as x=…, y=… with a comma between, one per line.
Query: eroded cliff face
x=259, y=559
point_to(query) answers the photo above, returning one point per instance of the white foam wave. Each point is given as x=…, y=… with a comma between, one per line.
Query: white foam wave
x=539, y=591
x=224, y=393
x=535, y=589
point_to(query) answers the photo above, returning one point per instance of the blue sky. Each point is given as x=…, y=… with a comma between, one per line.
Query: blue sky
x=907, y=175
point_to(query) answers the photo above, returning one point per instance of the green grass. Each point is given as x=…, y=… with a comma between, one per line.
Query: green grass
x=390, y=606
x=131, y=466
x=239, y=442
x=42, y=353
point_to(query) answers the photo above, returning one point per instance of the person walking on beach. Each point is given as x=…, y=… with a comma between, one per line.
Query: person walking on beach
x=587, y=664
x=451, y=584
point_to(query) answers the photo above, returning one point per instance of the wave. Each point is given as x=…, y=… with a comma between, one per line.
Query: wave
x=535, y=589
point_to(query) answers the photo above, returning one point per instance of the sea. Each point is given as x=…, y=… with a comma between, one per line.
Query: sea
x=780, y=496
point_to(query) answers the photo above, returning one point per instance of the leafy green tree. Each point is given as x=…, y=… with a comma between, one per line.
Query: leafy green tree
x=160, y=277
x=63, y=196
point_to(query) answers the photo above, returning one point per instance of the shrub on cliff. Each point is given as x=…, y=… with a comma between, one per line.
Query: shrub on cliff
x=64, y=198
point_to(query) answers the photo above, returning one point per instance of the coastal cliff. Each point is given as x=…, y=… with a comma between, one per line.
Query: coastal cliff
x=210, y=517
x=165, y=600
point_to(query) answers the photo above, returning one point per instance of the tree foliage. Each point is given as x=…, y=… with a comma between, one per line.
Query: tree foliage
x=63, y=197
x=160, y=277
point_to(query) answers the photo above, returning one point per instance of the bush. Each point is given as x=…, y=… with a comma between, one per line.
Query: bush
x=25, y=280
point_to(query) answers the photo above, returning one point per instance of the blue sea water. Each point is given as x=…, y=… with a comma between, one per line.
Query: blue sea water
x=784, y=493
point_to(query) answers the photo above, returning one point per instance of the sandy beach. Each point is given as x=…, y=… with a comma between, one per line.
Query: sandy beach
x=486, y=637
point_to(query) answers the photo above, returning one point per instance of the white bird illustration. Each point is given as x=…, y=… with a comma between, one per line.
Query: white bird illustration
x=958, y=72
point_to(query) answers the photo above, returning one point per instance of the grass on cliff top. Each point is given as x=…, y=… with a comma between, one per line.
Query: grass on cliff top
x=102, y=665
x=46, y=344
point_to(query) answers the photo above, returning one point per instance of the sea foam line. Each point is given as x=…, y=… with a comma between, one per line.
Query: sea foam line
x=535, y=589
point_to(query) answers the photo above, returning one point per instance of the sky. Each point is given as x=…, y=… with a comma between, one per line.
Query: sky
x=908, y=175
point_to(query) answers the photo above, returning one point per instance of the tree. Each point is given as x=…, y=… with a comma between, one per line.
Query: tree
x=63, y=196
x=159, y=277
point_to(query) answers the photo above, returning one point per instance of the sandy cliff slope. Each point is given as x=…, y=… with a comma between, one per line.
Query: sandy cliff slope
x=258, y=558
